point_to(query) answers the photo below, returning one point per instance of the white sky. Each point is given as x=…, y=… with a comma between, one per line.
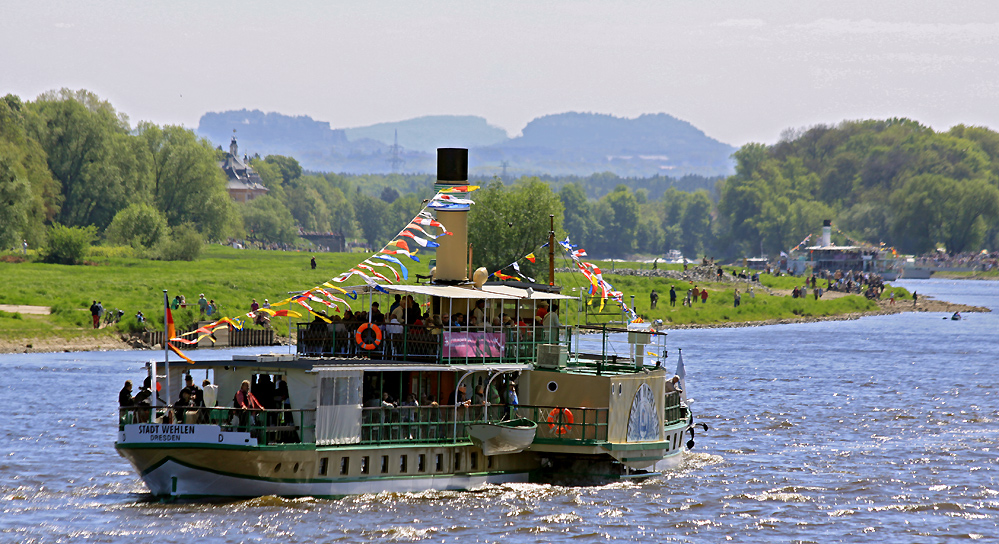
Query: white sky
x=739, y=70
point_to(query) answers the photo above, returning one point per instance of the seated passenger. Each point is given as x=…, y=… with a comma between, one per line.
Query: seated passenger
x=183, y=406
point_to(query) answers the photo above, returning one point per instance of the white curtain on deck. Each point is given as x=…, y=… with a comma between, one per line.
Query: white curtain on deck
x=338, y=414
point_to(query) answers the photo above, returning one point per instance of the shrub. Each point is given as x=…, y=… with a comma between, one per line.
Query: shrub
x=68, y=245
x=112, y=252
x=183, y=244
x=138, y=225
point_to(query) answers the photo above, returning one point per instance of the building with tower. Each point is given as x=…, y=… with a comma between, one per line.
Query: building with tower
x=243, y=182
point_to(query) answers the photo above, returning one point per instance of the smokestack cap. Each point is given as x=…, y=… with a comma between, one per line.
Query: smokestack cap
x=452, y=164
x=827, y=222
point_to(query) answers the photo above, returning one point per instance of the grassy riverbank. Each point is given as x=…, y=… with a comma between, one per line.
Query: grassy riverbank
x=233, y=277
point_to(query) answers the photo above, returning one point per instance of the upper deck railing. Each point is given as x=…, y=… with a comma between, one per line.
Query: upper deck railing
x=413, y=344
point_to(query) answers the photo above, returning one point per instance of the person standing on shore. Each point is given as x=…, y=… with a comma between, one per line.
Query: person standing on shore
x=914, y=298
x=202, y=303
x=704, y=296
x=313, y=263
x=95, y=313
x=672, y=296
x=738, y=298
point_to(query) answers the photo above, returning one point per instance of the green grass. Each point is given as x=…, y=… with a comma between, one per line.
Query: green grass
x=990, y=275
x=233, y=277
x=719, y=307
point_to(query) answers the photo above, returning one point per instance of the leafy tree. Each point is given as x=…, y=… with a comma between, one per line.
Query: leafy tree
x=695, y=224
x=188, y=185
x=287, y=167
x=579, y=221
x=15, y=200
x=68, y=245
x=508, y=222
x=618, y=214
x=266, y=219
x=139, y=226
x=371, y=214
x=184, y=243
x=24, y=162
x=100, y=165
x=389, y=195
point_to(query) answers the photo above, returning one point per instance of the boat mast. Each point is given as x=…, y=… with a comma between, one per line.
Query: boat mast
x=551, y=251
x=166, y=344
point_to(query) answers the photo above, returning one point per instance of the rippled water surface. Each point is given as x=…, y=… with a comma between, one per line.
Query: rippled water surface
x=879, y=429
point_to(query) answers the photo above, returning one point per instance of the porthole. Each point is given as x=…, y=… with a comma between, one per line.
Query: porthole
x=552, y=386
x=277, y=467
x=295, y=468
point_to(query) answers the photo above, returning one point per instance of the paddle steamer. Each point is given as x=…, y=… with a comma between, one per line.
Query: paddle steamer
x=379, y=409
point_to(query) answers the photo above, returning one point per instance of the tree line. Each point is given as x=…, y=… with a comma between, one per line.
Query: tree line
x=69, y=160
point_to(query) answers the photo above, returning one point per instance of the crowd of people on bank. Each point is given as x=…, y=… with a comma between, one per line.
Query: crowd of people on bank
x=977, y=260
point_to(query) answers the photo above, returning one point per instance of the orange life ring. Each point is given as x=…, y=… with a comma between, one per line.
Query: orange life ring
x=359, y=338
x=566, y=420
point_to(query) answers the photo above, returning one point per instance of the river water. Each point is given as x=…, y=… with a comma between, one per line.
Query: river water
x=884, y=429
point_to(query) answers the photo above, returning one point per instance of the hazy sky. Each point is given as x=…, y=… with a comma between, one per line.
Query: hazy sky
x=739, y=70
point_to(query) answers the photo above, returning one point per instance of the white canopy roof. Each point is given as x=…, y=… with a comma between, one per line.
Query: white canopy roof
x=495, y=292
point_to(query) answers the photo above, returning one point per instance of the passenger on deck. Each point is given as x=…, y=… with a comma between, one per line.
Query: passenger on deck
x=125, y=398
x=197, y=396
x=247, y=404
x=552, y=324
x=673, y=384
x=245, y=400
x=376, y=314
x=458, y=397
x=479, y=312
x=542, y=310
x=183, y=406
x=511, y=401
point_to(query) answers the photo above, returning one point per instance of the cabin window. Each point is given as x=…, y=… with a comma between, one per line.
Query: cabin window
x=323, y=463
x=344, y=465
x=403, y=463
x=474, y=461
x=385, y=465
x=440, y=463
x=552, y=386
x=457, y=461
x=421, y=463
x=364, y=465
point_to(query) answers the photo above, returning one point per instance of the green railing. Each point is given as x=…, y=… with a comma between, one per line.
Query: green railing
x=567, y=424
x=269, y=427
x=411, y=344
x=674, y=412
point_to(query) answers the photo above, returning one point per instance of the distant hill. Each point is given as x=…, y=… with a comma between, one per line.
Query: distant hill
x=426, y=134
x=578, y=143
x=575, y=144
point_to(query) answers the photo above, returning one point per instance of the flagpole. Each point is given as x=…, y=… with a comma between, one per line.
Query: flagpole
x=166, y=342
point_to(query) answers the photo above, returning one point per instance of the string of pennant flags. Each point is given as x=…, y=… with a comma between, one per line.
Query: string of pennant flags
x=845, y=235
x=599, y=287
x=420, y=234
x=413, y=238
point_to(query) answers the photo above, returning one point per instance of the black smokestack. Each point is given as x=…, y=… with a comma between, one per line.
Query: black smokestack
x=452, y=164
